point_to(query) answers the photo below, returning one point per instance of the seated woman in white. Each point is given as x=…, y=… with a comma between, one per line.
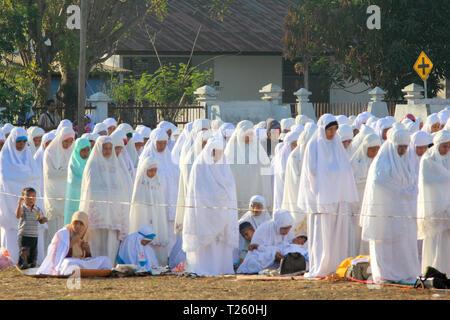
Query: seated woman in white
x=137, y=249
x=70, y=249
x=268, y=243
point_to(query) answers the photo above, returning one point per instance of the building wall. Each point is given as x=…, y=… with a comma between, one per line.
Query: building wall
x=353, y=92
x=241, y=77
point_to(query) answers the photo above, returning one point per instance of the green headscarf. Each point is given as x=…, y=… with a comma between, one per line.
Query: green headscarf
x=76, y=160
x=74, y=178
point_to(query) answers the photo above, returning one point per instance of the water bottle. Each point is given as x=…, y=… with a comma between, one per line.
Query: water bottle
x=142, y=262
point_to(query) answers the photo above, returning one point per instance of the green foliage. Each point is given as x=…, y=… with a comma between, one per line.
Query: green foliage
x=15, y=97
x=333, y=36
x=170, y=85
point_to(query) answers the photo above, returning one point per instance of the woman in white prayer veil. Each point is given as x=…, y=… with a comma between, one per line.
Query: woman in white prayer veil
x=249, y=165
x=388, y=218
x=118, y=137
x=64, y=124
x=256, y=215
x=185, y=169
x=225, y=131
x=432, y=124
x=35, y=139
x=56, y=164
x=215, y=125
x=268, y=242
x=169, y=176
x=329, y=196
x=147, y=207
x=279, y=166
x=433, y=204
x=136, y=143
x=145, y=133
x=138, y=245
x=417, y=148
x=292, y=179
x=197, y=126
x=286, y=125
x=17, y=171
x=361, y=161
x=302, y=119
x=345, y=132
x=105, y=198
x=169, y=128
x=176, y=151
x=342, y=119
x=359, y=138
x=100, y=129
x=129, y=143
x=210, y=228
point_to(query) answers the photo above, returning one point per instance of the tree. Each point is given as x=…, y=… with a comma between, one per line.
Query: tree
x=335, y=33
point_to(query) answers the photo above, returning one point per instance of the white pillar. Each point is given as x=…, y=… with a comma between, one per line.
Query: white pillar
x=414, y=104
x=303, y=105
x=205, y=96
x=377, y=106
x=100, y=101
x=272, y=93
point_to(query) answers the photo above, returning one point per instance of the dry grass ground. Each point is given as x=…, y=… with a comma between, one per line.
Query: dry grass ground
x=13, y=285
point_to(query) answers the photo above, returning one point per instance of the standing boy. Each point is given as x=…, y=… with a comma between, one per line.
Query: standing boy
x=29, y=216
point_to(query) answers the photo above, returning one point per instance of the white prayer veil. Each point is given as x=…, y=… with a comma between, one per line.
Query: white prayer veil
x=104, y=193
x=118, y=140
x=211, y=212
x=342, y=119
x=180, y=142
x=361, y=162
x=147, y=207
x=34, y=133
x=418, y=139
x=388, y=207
x=100, y=127
x=327, y=181
x=433, y=206
x=302, y=119
x=64, y=124
x=55, y=168
x=431, y=119
x=17, y=171
x=359, y=138
x=168, y=172
x=345, y=132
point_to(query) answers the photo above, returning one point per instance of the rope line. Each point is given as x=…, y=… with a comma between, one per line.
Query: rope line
x=224, y=208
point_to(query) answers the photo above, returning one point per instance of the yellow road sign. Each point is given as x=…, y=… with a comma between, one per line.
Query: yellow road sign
x=423, y=66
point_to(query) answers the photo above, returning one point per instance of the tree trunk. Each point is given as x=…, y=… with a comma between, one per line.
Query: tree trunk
x=67, y=93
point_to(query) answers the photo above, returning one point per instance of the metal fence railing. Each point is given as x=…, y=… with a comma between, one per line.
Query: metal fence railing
x=348, y=109
x=152, y=115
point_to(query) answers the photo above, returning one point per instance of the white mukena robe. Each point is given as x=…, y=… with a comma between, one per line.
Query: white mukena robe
x=56, y=263
x=388, y=217
x=433, y=206
x=361, y=164
x=292, y=179
x=329, y=196
x=17, y=171
x=250, y=166
x=269, y=241
x=210, y=228
x=56, y=164
x=147, y=208
x=105, y=197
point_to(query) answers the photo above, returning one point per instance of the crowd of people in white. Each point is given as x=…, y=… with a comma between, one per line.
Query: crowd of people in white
x=218, y=198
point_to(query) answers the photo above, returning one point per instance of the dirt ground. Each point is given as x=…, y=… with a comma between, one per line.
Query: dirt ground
x=15, y=286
